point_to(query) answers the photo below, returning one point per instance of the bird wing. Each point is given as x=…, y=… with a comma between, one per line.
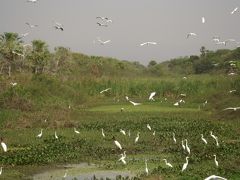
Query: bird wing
x=143, y=44
x=230, y=108
x=105, y=42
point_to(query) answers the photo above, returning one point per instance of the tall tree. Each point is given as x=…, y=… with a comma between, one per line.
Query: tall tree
x=11, y=49
x=39, y=56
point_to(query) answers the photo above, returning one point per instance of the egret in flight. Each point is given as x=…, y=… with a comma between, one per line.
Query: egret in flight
x=148, y=43
x=234, y=10
x=191, y=34
x=31, y=25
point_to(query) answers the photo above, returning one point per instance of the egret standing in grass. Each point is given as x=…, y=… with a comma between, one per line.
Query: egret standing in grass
x=214, y=137
x=185, y=164
x=55, y=134
x=215, y=177
x=146, y=167
x=187, y=148
x=134, y=103
x=215, y=160
x=203, y=139
x=137, y=138
x=123, y=132
x=149, y=127
x=151, y=96
x=76, y=131
x=174, y=139
x=1, y=169
x=40, y=134
x=183, y=146
x=4, y=146
x=103, y=133
x=167, y=163
x=117, y=143
x=123, y=157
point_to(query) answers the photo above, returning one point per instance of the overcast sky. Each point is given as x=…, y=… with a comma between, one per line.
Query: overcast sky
x=134, y=21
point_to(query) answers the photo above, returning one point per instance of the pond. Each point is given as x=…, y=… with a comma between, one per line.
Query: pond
x=82, y=171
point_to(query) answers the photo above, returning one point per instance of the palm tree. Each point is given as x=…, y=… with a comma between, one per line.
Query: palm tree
x=10, y=44
x=39, y=56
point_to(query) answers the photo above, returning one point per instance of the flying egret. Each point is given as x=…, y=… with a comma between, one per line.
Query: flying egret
x=151, y=96
x=183, y=146
x=32, y=1
x=40, y=134
x=31, y=25
x=148, y=43
x=203, y=20
x=4, y=146
x=117, y=143
x=185, y=164
x=214, y=137
x=214, y=177
x=76, y=131
x=232, y=108
x=123, y=157
x=149, y=127
x=234, y=10
x=167, y=163
x=191, y=34
x=174, y=139
x=105, y=90
x=103, y=133
x=137, y=138
x=123, y=132
x=13, y=83
x=55, y=134
x=146, y=167
x=187, y=148
x=103, y=42
x=203, y=139
x=231, y=91
x=215, y=160
x=101, y=24
x=134, y=103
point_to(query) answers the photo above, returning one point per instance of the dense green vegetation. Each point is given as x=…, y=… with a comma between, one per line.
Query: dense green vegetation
x=57, y=91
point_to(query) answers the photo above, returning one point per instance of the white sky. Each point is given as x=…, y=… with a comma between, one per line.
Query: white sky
x=134, y=21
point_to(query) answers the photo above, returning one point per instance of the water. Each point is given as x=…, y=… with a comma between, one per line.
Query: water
x=81, y=171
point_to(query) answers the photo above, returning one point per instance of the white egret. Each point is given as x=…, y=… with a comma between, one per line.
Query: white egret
x=215, y=160
x=76, y=131
x=191, y=34
x=31, y=25
x=137, y=138
x=101, y=24
x=127, y=98
x=203, y=139
x=176, y=104
x=40, y=134
x=232, y=74
x=13, y=83
x=174, y=139
x=117, y=143
x=203, y=20
x=32, y=1
x=154, y=133
x=146, y=167
x=123, y=157
x=103, y=133
x=123, y=132
x=167, y=163
x=103, y=42
x=4, y=146
x=149, y=127
x=1, y=169
x=65, y=174
x=234, y=10
x=187, y=148
x=183, y=146
x=148, y=43
x=105, y=90
x=55, y=134
x=214, y=177
x=185, y=164
x=134, y=103
x=231, y=91
x=129, y=133
x=232, y=108
x=151, y=96
x=214, y=137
